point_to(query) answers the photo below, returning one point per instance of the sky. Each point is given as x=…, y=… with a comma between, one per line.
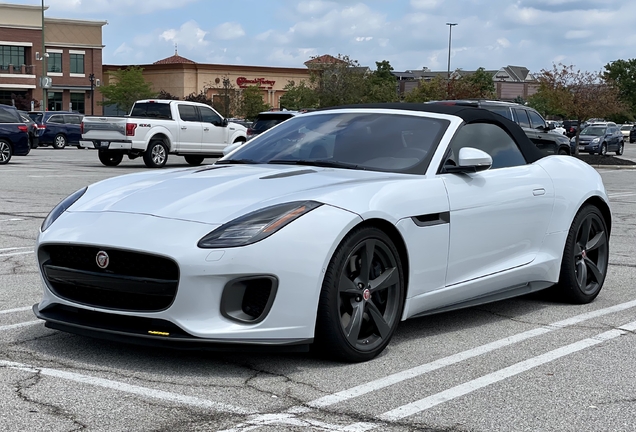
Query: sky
x=410, y=34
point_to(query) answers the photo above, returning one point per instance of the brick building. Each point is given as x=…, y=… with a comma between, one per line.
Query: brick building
x=74, y=49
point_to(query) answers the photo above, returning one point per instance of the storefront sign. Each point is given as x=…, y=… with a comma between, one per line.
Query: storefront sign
x=243, y=82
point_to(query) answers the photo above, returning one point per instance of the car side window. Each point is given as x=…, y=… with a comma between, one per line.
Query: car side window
x=501, y=110
x=209, y=116
x=56, y=119
x=188, y=113
x=536, y=120
x=7, y=116
x=489, y=138
x=522, y=118
x=73, y=119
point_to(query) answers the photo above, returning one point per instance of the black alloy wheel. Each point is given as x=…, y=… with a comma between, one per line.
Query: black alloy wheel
x=5, y=152
x=362, y=297
x=110, y=158
x=194, y=160
x=585, y=257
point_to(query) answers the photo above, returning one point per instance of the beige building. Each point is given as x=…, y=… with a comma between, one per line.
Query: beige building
x=181, y=77
x=73, y=60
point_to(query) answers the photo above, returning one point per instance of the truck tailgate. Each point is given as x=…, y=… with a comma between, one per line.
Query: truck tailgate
x=104, y=128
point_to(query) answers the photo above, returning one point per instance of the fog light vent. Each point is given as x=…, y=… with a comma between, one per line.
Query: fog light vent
x=248, y=299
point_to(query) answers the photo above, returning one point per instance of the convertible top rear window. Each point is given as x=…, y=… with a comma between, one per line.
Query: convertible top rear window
x=361, y=140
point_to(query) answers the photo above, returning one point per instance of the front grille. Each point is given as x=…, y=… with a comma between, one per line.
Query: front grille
x=131, y=281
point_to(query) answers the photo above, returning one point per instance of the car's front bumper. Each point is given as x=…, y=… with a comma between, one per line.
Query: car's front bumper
x=297, y=256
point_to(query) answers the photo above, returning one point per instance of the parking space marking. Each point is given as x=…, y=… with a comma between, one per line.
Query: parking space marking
x=494, y=377
x=417, y=371
x=146, y=392
x=11, y=220
x=19, y=325
x=16, y=253
x=15, y=248
x=21, y=309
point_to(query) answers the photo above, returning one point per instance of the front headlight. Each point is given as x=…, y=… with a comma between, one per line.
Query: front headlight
x=62, y=207
x=596, y=140
x=256, y=226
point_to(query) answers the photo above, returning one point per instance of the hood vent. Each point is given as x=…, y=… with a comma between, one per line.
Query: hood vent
x=288, y=174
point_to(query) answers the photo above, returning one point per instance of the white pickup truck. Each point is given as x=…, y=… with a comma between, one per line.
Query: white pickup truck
x=156, y=128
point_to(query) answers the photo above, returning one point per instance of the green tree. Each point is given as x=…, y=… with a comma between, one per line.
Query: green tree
x=126, y=86
x=435, y=89
x=580, y=95
x=477, y=85
x=339, y=83
x=252, y=102
x=198, y=97
x=299, y=96
x=622, y=73
x=381, y=85
x=166, y=95
x=480, y=84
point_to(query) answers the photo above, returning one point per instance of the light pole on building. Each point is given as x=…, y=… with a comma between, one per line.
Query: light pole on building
x=44, y=70
x=450, y=35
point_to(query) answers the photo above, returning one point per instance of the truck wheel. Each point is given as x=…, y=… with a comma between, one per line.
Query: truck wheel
x=110, y=158
x=194, y=160
x=5, y=152
x=156, y=155
x=59, y=142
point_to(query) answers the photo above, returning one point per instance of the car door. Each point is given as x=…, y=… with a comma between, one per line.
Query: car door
x=73, y=122
x=190, y=129
x=498, y=217
x=522, y=118
x=214, y=133
x=54, y=125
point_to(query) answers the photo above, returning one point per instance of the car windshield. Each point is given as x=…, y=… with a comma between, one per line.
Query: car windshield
x=626, y=127
x=354, y=140
x=36, y=117
x=594, y=131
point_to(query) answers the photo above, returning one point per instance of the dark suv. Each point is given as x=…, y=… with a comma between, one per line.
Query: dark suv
x=14, y=134
x=267, y=120
x=530, y=121
x=58, y=128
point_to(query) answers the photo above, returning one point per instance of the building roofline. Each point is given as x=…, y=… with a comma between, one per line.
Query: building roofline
x=20, y=6
x=75, y=22
x=210, y=66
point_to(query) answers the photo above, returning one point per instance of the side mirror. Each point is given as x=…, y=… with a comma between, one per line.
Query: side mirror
x=551, y=126
x=471, y=160
x=229, y=149
x=224, y=123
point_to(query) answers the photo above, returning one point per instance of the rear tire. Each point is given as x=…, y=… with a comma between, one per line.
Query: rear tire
x=59, y=142
x=585, y=257
x=110, y=158
x=5, y=152
x=361, y=299
x=621, y=146
x=156, y=154
x=194, y=160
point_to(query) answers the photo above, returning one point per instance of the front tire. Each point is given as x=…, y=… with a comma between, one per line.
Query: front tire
x=110, y=158
x=5, y=152
x=194, y=160
x=59, y=142
x=603, y=151
x=585, y=257
x=362, y=297
x=156, y=155
x=621, y=146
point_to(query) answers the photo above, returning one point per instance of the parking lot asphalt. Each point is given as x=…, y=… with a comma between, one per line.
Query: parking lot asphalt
x=527, y=364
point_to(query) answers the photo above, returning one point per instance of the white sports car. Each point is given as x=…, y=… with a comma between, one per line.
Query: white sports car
x=326, y=230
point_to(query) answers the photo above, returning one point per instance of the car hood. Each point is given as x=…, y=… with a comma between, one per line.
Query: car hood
x=219, y=193
x=588, y=137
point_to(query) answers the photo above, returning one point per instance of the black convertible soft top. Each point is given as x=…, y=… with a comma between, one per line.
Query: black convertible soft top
x=469, y=115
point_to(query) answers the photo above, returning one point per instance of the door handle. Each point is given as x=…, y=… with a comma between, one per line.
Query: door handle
x=184, y=127
x=206, y=129
x=538, y=192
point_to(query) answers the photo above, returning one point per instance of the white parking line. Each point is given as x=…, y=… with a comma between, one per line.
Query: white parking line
x=16, y=253
x=21, y=309
x=129, y=388
x=11, y=220
x=19, y=325
x=494, y=377
x=417, y=371
x=15, y=248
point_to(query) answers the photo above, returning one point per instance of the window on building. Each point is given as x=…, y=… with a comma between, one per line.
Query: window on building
x=54, y=62
x=77, y=63
x=11, y=55
x=78, y=102
x=55, y=101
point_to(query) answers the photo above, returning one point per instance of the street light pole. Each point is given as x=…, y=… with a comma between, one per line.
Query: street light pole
x=450, y=34
x=44, y=71
x=91, y=78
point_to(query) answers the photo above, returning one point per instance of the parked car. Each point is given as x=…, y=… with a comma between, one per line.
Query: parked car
x=632, y=135
x=157, y=128
x=570, y=127
x=555, y=127
x=58, y=128
x=626, y=129
x=267, y=120
x=601, y=138
x=14, y=134
x=532, y=123
x=329, y=229
x=34, y=132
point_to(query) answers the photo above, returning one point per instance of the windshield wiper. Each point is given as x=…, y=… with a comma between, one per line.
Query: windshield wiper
x=237, y=161
x=315, y=162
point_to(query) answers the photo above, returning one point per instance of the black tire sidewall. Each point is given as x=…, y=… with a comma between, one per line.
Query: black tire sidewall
x=110, y=158
x=148, y=155
x=8, y=144
x=329, y=337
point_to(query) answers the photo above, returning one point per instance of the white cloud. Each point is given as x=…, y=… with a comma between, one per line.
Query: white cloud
x=123, y=49
x=364, y=39
x=503, y=42
x=229, y=30
x=120, y=7
x=188, y=35
x=425, y=4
